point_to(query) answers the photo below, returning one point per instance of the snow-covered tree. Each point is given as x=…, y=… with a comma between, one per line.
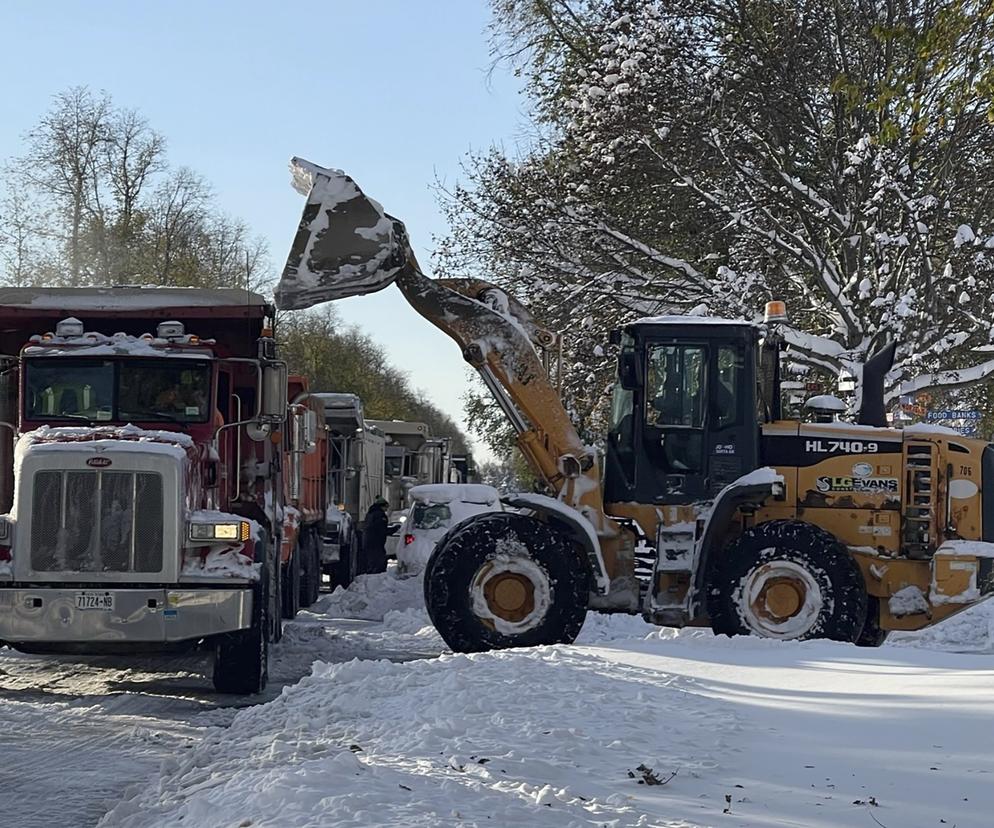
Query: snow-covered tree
x=713, y=154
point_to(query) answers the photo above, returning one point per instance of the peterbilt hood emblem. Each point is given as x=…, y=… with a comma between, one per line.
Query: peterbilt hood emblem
x=99, y=462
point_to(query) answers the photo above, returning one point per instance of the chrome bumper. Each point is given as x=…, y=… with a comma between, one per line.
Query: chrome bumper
x=139, y=615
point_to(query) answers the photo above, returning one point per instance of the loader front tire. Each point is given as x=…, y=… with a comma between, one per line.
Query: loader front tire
x=789, y=580
x=501, y=580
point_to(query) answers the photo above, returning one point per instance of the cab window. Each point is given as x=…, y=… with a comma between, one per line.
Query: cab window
x=731, y=365
x=675, y=386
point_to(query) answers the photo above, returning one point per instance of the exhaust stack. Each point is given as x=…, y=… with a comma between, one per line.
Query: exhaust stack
x=871, y=406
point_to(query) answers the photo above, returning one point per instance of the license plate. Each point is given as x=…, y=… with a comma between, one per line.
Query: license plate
x=95, y=601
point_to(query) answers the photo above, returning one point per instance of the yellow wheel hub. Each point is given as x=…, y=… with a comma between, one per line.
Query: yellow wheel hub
x=510, y=595
x=780, y=599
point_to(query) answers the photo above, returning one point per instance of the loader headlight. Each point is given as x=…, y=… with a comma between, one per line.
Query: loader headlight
x=220, y=531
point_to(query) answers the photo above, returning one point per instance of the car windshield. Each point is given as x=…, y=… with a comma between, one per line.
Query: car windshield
x=123, y=390
x=430, y=515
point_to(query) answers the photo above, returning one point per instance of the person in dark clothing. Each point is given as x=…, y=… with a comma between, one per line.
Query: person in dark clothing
x=374, y=537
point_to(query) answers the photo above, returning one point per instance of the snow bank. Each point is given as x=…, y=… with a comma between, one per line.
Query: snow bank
x=449, y=741
x=371, y=597
x=969, y=631
x=601, y=627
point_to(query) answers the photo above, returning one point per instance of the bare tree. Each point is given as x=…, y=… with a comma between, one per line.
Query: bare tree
x=63, y=160
x=93, y=201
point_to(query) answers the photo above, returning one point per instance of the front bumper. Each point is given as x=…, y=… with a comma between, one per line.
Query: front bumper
x=152, y=615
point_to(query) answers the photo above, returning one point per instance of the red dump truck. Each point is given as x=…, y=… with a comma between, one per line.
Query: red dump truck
x=163, y=480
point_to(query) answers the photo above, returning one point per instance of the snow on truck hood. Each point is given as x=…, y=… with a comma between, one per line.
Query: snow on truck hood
x=106, y=438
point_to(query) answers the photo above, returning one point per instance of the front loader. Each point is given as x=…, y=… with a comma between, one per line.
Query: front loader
x=711, y=509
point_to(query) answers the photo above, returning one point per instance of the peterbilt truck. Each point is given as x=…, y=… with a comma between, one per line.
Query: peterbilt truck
x=161, y=491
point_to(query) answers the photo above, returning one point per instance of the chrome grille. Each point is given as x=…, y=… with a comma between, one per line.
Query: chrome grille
x=96, y=521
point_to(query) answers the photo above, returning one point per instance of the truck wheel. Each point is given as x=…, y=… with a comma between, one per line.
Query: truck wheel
x=348, y=563
x=241, y=659
x=505, y=580
x=787, y=579
x=310, y=569
x=291, y=585
x=872, y=635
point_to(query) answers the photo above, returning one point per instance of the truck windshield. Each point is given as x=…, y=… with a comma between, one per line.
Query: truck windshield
x=123, y=390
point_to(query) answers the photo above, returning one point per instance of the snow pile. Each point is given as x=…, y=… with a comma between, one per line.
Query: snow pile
x=682, y=729
x=602, y=627
x=969, y=631
x=450, y=741
x=371, y=597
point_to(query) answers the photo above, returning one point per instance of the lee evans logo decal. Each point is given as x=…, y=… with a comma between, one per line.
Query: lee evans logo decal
x=844, y=446
x=99, y=462
x=864, y=485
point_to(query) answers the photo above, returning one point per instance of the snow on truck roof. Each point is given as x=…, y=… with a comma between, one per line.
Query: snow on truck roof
x=126, y=299
x=685, y=319
x=449, y=492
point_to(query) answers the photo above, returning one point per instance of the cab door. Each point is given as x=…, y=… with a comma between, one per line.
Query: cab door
x=732, y=428
x=674, y=417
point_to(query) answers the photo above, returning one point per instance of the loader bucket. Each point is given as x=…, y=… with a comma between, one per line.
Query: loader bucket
x=346, y=244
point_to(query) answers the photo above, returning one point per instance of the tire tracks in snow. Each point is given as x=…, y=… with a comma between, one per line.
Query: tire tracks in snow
x=76, y=733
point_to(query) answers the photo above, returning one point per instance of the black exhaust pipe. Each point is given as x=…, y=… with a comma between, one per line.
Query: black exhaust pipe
x=871, y=407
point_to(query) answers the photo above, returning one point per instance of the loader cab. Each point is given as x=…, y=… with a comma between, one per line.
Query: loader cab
x=684, y=411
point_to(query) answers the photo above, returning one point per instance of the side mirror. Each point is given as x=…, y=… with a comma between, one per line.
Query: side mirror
x=274, y=382
x=304, y=428
x=628, y=370
x=310, y=432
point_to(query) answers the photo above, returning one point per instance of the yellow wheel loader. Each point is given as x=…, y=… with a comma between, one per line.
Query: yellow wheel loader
x=711, y=507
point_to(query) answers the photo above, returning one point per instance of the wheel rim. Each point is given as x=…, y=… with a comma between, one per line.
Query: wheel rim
x=780, y=599
x=510, y=594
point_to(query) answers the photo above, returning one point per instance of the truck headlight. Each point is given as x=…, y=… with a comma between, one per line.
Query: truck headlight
x=226, y=531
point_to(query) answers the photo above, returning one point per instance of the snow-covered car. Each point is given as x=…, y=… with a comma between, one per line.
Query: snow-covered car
x=437, y=507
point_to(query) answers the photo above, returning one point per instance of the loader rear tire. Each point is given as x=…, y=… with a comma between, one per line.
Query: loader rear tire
x=502, y=580
x=789, y=580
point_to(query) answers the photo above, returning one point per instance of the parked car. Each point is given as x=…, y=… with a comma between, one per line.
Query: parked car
x=436, y=508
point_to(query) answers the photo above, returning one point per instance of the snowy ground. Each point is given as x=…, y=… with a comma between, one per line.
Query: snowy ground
x=383, y=732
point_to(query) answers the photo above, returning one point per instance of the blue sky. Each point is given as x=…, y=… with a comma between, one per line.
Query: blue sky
x=395, y=93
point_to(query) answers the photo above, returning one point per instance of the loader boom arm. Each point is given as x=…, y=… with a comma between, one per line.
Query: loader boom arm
x=347, y=245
